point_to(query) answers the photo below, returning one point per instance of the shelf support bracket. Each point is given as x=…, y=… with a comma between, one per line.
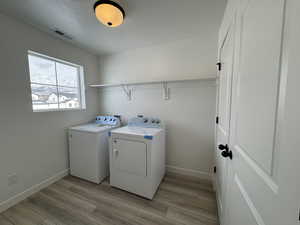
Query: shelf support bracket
x=166, y=91
x=127, y=91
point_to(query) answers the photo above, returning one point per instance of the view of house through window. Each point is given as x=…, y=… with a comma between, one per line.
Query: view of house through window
x=55, y=84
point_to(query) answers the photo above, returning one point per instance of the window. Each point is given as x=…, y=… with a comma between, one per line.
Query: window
x=56, y=85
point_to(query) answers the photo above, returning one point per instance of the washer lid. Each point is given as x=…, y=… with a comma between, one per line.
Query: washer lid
x=137, y=131
x=92, y=127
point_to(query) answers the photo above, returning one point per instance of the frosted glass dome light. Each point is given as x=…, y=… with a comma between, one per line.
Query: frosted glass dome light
x=109, y=13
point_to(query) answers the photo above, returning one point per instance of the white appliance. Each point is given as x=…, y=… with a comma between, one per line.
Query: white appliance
x=88, y=148
x=137, y=156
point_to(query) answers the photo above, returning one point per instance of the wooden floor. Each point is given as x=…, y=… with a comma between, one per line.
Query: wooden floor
x=71, y=201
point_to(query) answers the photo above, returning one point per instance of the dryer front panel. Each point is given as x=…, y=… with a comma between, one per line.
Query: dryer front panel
x=129, y=157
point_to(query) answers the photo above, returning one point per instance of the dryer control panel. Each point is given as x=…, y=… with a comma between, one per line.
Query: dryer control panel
x=147, y=122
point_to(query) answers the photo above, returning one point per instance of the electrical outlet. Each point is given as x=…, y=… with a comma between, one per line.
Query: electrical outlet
x=12, y=179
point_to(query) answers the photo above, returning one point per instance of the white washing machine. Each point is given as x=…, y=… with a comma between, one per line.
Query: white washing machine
x=88, y=148
x=137, y=156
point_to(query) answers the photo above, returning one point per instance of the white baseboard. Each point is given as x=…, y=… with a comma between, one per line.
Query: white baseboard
x=30, y=191
x=189, y=172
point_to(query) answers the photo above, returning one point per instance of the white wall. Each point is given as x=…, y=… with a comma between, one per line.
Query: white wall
x=184, y=59
x=34, y=145
x=189, y=114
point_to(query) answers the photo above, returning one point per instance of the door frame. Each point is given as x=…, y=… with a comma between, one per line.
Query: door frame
x=229, y=28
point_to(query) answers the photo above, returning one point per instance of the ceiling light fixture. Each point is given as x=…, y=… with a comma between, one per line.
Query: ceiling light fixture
x=109, y=13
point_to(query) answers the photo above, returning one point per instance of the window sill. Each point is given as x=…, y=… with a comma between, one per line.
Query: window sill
x=60, y=110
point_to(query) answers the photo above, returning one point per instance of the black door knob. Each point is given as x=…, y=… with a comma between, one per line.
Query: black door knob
x=223, y=147
x=226, y=154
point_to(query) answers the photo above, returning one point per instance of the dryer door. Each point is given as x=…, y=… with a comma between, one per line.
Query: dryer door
x=130, y=156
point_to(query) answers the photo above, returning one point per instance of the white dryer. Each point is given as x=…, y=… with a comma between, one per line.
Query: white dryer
x=88, y=148
x=137, y=156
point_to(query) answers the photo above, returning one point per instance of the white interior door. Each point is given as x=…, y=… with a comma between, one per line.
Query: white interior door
x=222, y=131
x=256, y=172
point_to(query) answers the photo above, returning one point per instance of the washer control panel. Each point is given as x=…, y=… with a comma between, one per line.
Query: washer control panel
x=108, y=120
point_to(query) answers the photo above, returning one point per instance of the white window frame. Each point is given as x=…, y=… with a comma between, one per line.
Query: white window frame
x=80, y=77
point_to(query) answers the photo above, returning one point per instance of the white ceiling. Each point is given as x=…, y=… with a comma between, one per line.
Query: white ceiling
x=147, y=22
